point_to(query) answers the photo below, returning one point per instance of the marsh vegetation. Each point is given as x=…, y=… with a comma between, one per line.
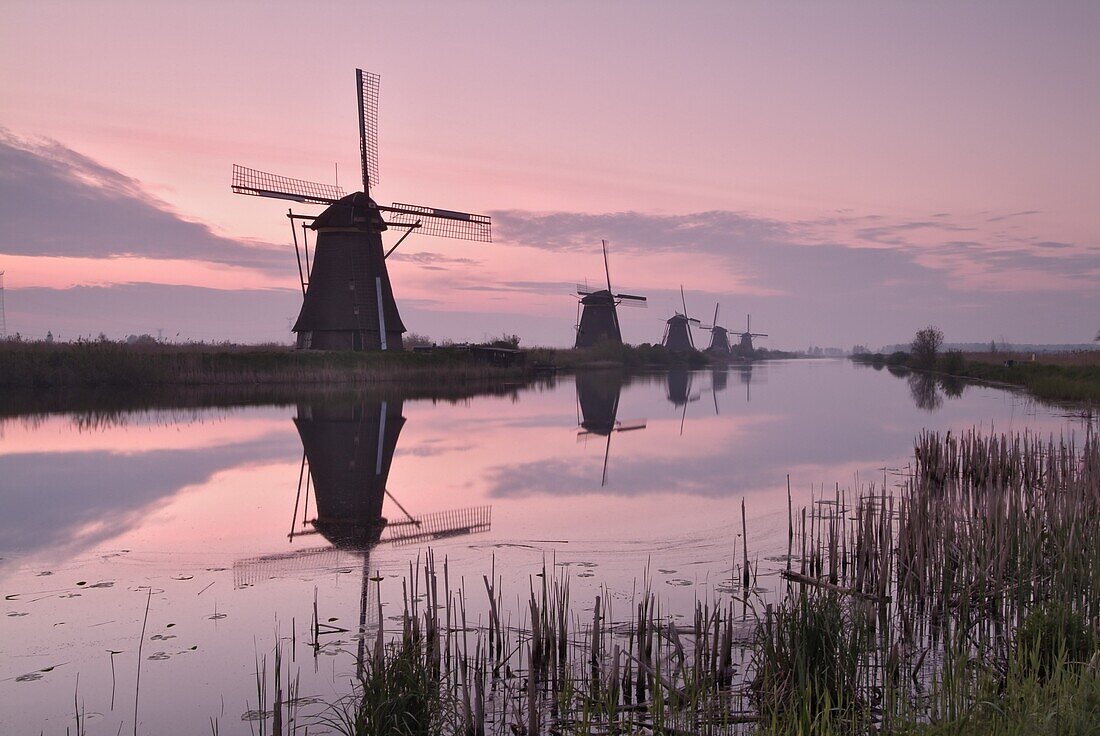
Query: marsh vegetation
x=967, y=600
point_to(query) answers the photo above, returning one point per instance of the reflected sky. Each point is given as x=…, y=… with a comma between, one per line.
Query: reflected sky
x=603, y=474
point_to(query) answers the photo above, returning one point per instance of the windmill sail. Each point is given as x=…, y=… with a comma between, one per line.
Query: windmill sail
x=262, y=184
x=442, y=223
x=368, y=126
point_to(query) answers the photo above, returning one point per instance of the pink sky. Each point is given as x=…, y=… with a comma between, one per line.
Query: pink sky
x=938, y=160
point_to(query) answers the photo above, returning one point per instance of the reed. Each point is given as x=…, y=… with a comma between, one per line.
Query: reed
x=974, y=585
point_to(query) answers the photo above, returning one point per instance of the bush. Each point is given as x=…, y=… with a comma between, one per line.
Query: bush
x=952, y=362
x=926, y=346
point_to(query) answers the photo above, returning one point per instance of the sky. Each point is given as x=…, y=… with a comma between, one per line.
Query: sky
x=846, y=172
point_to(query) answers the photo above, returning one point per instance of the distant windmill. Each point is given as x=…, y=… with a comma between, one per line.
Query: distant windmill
x=678, y=329
x=598, y=402
x=719, y=336
x=599, y=320
x=746, y=346
x=348, y=303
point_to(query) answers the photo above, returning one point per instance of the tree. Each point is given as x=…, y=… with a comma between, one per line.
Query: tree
x=926, y=346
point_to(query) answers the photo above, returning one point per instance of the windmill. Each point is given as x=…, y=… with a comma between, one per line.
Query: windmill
x=347, y=300
x=745, y=346
x=598, y=407
x=719, y=336
x=678, y=329
x=599, y=320
x=347, y=452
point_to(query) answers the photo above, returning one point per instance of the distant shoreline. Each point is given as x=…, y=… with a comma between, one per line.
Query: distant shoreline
x=106, y=365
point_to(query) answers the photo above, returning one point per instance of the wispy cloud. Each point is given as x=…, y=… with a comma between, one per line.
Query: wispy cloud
x=57, y=202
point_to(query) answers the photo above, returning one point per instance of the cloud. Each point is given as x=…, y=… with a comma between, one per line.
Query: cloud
x=72, y=501
x=430, y=260
x=57, y=202
x=998, y=218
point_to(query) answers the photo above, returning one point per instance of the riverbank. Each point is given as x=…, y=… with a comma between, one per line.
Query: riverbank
x=1058, y=377
x=105, y=364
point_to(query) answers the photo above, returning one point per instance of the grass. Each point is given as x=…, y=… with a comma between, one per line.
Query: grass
x=109, y=364
x=106, y=364
x=1056, y=377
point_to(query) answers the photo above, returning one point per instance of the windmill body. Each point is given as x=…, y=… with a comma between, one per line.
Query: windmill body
x=348, y=449
x=745, y=345
x=677, y=336
x=719, y=341
x=599, y=319
x=348, y=302
x=719, y=337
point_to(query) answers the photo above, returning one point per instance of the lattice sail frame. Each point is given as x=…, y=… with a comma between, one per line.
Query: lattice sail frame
x=263, y=184
x=368, y=84
x=438, y=525
x=442, y=223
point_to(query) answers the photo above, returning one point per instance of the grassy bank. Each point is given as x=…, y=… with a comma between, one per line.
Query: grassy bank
x=110, y=364
x=967, y=602
x=1068, y=377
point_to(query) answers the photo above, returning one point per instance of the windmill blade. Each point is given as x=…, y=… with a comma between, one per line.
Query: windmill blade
x=442, y=223
x=758, y=334
x=368, y=126
x=262, y=184
x=442, y=524
x=632, y=297
x=715, y=322
x=632, y=303
x=684, y=300
x=630, y=426
x=606, y=267
x=583, y=290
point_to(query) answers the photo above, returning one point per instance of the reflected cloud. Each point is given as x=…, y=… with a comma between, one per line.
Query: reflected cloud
x=71, y=501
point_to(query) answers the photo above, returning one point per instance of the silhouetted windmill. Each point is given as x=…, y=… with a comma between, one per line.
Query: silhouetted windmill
x=347, y=301
x=678, y=329
x=599, y=320
x=746, y=346
x=719, y=336
x=598, y=402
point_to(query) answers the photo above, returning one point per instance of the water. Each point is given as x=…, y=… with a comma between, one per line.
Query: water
x=606, y=479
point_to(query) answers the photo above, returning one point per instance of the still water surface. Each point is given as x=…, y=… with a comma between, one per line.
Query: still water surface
x=237, y=518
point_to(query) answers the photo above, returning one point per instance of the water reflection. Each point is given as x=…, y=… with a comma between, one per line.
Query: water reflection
x=926, y=388
x=347, y=451
x=598, y=401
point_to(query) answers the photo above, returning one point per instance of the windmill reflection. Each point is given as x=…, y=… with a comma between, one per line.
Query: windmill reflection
x=347, y=452
x=679, y=390
x=745, y=371
x=598, y=404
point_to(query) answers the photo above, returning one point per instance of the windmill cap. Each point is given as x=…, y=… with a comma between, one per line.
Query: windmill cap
x=356, y=211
